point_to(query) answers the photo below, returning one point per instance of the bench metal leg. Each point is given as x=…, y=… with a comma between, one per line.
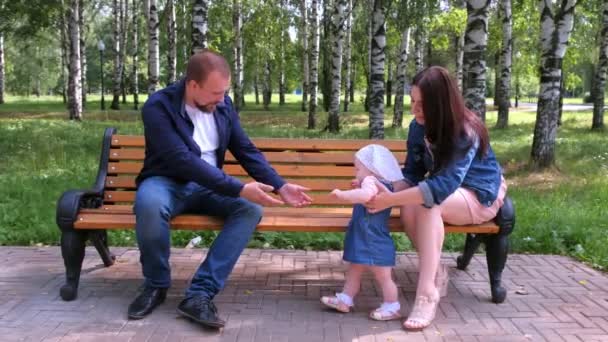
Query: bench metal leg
x=99, y=238
x=470, y=247
x=72, y=249
x=497, y=247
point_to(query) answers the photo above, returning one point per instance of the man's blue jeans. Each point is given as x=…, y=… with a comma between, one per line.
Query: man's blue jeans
x=159, y=199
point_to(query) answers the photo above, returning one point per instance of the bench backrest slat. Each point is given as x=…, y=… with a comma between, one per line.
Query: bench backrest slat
x=320, y=164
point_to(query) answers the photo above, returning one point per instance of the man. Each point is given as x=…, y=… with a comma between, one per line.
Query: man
x=188, y=128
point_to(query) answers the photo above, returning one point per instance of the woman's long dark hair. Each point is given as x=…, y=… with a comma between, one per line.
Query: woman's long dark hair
x=446, y=118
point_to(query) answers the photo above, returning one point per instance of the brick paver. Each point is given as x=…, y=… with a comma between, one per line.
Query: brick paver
x=273, y=295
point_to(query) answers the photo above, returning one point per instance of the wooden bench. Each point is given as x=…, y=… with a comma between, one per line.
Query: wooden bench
x=321, y=165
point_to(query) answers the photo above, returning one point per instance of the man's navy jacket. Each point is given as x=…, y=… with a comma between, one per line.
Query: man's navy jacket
x=172, y=152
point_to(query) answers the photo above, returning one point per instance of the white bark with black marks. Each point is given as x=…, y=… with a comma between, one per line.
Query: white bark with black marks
x=83, y=52
x=376, y=103
x=504, y=68
x=314, y=64
x=305, y=54
x=134, y=76
x=153, y=49
x=117, y=49
x=74, y=87
x=419, y=48
x=459, y=59
x=400, y=77
x=199, y=25
x=348, y=81
x=237, y=78
x=474, y=62
x=267, y=86
x=601, y=69
x=1, y=68
x=124, y=19
x=338, y=21
x=172, y=42
x=283, y=35
x=556, y=22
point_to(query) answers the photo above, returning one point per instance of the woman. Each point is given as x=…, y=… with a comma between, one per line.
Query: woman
x=451, y=175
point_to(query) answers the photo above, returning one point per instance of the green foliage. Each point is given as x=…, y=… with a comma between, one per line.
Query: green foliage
x=560, y=211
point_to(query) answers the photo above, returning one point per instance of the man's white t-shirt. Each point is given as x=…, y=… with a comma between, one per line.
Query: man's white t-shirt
x=205, y=133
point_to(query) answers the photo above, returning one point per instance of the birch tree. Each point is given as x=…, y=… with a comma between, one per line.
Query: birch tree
x=348, y=80
x=504, y=83
x=83, y=52
x=1, y=68
x=376, y=105
x=117, y=47
x=599, y=82
x=305, y=54
x=153, y=50
x=400, y=77
x=237, y=78
x=474, y=63
x=172, y=42
x=556, y=22
x=314, y=64
x=74, y=86
x=199, y=25
x=134, y=76
x=338, y=20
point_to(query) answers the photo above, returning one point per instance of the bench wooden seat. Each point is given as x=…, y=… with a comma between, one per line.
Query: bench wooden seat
x=320, y=164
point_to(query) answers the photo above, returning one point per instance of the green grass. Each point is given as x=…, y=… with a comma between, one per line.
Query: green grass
x=560, y=211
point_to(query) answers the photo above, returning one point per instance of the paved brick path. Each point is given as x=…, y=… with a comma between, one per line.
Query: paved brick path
x=273, y=295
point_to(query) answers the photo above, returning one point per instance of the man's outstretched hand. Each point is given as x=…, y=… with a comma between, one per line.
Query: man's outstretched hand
x=295, y=195
x=257, y=193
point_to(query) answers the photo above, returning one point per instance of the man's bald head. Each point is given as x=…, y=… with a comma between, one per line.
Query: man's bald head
x=201, y=64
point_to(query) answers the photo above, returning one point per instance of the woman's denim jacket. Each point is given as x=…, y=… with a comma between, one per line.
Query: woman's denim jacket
x=481, y=174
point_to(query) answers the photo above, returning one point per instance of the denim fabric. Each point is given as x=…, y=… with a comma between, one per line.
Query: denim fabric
x=159, y=199
x=481, y=174
x=368, y=240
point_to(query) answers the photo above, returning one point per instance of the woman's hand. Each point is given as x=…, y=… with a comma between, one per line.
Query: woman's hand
x=382, y=200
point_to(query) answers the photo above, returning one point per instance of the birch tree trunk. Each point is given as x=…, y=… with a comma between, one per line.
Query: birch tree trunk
x=556, y=24
x=401, y=67
x=504, y=88
x=74, y=88
x=338, y=20
x=282, y=55
x=389, y=84
x=267, y=86
x=305, y=54
x=255, y=89
x=459, y=59
x=153, y=52
x=474, y=66
x=1, y=68
x=599, y=82
x=376, y=105
x=172, y=42
x=65, y=53
x=124, y=19
x=325, y=83
x=117, y=79
x=237, y=78
x=368, y=66
x=199, y=25
x=314, y=64
x=135, y=77
x=418, y=48
x=348, y=55
x=83, y=52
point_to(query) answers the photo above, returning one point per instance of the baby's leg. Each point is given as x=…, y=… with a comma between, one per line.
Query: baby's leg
x=353, y=279
x=384, y=278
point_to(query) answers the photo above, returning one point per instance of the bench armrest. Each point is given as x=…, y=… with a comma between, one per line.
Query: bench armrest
x=71, y=201
x=69, y=205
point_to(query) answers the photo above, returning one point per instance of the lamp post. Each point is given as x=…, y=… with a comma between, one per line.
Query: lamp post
x=518, y=55
x=101, y=46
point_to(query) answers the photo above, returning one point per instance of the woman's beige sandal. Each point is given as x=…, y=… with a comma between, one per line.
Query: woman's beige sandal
x=422, y=314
